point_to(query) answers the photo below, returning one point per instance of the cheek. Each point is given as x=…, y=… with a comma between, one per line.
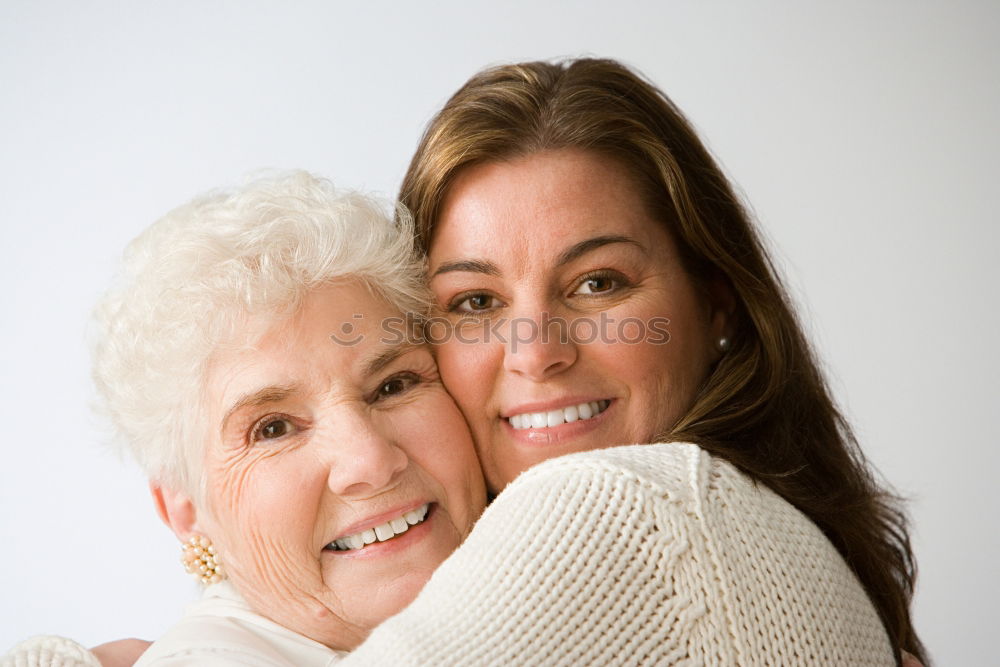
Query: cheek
x=469, y=372
x=262, y=487
x=663, y=382
x=264, y=513
x=448, y=457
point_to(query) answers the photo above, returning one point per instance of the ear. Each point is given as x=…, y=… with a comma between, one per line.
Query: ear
x=722, y=306
x=175, y=509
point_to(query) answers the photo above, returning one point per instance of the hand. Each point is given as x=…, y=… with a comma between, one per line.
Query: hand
x=121, y=652
x=908, y=661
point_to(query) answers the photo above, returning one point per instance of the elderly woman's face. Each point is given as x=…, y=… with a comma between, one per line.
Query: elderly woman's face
x=318, y=447
x=560, y=243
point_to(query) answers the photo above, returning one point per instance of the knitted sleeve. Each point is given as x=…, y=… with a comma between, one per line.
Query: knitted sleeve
x=569, y=566
x=49, y=651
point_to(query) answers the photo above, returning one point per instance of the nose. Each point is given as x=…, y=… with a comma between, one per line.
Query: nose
x=366, y=460
x=539, y=347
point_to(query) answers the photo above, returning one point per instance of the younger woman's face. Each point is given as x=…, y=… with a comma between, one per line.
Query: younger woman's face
x=574, y=325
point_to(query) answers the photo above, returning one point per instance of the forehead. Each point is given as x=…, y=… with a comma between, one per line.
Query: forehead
x=541, y=202
x=335, y=331
x=329, y=318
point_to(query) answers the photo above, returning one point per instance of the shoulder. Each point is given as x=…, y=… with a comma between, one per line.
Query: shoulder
x=679, y=472
x=677, y=479
x=212, y=641
x=220, y=629
x=739, y=552
x=651, y=493
x=675, y=489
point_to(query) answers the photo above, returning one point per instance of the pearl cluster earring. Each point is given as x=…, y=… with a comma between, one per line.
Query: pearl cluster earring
x=199, y=558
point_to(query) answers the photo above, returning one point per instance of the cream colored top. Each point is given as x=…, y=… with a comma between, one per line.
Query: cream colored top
x=220, y=630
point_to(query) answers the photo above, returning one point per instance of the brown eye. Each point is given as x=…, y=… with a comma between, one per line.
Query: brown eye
x=598, y=284
x=478, y=302
x=395, y=386
x=272, y=429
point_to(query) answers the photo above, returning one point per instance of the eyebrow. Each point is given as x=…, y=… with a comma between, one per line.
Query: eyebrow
x=378, y=362
x=573, y=252
x=276, y=393
x=583, y=247
x=470, y=266
x=262, y=396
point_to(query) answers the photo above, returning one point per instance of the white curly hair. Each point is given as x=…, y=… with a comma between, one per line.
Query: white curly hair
x=206, y=272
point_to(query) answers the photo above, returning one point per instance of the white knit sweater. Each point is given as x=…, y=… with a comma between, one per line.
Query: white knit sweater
x=648, y=554
x=49, y=651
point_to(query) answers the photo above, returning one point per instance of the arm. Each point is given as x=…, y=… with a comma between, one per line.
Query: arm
x=612, y=557
x=565, y=567
x=121, y=652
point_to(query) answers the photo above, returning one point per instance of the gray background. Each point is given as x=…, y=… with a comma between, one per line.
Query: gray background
x=864, y=135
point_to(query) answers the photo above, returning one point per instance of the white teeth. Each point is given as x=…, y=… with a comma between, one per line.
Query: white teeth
x=413, y=517
x=382, y=532
x=556, y=417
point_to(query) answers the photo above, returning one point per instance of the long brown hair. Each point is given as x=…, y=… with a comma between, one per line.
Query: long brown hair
x=765, y=407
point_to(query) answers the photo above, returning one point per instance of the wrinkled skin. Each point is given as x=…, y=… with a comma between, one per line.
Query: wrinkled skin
x=311, y=441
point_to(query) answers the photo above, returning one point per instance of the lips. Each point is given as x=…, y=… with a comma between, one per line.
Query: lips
x=551, y=418
x=383, y=532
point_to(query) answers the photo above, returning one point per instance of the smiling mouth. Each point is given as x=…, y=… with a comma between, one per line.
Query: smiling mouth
x=380, y=533
x=550, y=418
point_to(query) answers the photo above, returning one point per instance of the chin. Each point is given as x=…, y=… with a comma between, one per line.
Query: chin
x=393, y=599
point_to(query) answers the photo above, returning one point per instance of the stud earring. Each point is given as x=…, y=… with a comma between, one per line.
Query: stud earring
x=200, y=559
x=723, y=344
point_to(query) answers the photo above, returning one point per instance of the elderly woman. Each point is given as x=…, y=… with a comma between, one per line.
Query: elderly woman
x=316, y=474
